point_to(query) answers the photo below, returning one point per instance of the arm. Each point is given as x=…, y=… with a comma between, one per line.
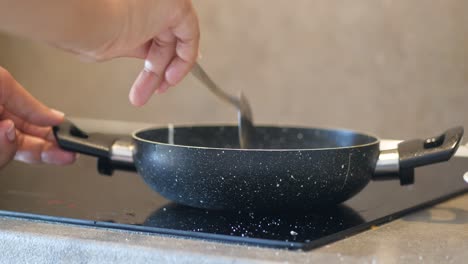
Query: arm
x=72, y=24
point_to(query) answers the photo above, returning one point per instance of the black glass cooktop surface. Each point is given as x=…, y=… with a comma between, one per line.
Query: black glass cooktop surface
x=78, y=195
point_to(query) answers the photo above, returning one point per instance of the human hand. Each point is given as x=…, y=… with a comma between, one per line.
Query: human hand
x=170, y=51
x=25, y=132
x=165, y=33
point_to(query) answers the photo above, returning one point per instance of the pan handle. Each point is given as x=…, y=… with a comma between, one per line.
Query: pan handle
x=112, y=151
x=400, y=162
x=70, y=137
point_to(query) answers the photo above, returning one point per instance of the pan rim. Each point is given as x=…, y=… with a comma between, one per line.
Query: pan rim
x=373, y=141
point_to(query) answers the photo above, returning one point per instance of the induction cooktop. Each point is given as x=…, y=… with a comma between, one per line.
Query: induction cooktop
x=79, y=195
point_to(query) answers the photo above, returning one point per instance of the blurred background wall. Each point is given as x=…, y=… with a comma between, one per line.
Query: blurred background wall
x=394, y=68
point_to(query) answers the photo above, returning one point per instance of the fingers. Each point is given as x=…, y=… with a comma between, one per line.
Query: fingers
x=187, y=33
x=32, y=144
x=34, y=150
x=150, y=78
x=170, y=58
x=29, y=128
x=16, y=99
x=7, y=142
x=25, y=132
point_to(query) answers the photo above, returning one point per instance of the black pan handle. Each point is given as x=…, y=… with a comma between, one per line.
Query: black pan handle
x=417, y=152
x=414, y=153
x=70, y=137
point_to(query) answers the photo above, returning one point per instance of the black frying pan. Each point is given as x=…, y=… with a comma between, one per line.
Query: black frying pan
x=287, y=168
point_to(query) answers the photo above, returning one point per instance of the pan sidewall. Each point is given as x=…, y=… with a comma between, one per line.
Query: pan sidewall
x=255, y=179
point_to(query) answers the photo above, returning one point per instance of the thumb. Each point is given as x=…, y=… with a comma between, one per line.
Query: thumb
x=7, y=142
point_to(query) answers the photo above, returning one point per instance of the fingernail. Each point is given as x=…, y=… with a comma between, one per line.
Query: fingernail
x=45, y=158
x=149, y=66
x=52, y=157
x=11, y=132
x=57, y=113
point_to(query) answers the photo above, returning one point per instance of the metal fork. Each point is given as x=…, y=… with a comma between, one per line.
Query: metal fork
x=244, y=113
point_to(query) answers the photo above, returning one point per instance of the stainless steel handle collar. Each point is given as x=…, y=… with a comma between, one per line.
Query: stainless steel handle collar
x=388, y=162
x=122, y=151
